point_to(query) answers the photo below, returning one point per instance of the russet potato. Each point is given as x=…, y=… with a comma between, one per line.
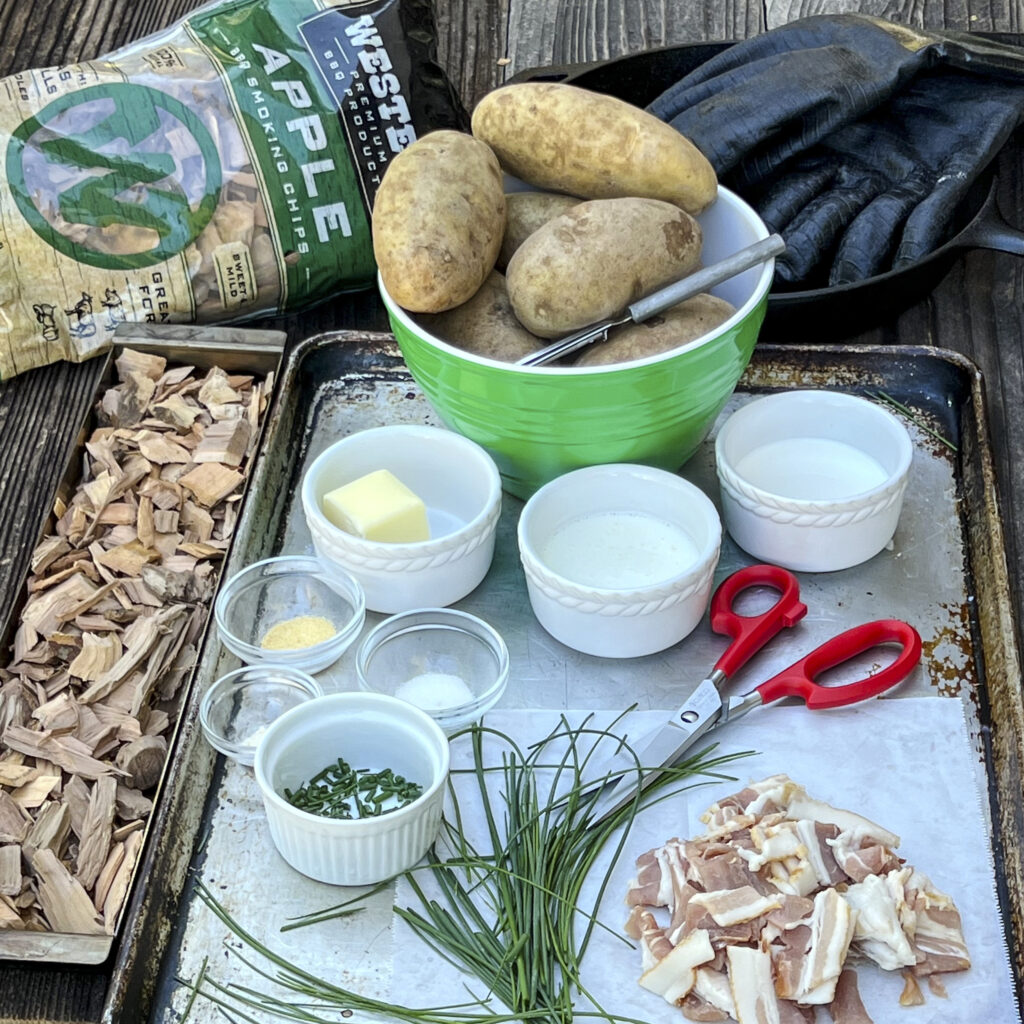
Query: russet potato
x=485, y=325
x=438, y=221
x=591, y=262
x=566, y=139
x=525, y=212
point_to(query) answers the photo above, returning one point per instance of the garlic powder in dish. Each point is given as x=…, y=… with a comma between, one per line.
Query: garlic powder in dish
x=297, y=633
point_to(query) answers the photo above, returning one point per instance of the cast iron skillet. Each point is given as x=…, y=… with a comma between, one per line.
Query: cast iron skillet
x=799, y=315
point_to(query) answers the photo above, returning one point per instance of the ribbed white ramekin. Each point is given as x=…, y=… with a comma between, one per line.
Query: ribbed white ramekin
x=626, y=622
x=457, y=481
x=842, y=525
x=368, y=730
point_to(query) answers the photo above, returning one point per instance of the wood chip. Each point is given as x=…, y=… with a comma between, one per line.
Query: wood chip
x=132, y=361
x=226, y=441
x=34, y=793
x=49, y=831
x=47, y=551
x=99, y=822
x=176, y=412
x=10, y=870
x=14, y=822
x=118, y=890
x=100, y=652
x=211, y=482
x=160, y=449
x=65, y=903
x=143, y=761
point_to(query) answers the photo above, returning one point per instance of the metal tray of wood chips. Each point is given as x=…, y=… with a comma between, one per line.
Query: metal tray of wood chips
x=947, y=575
x=129, y=584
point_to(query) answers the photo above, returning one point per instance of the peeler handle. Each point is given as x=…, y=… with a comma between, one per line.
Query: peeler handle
x=708, y=277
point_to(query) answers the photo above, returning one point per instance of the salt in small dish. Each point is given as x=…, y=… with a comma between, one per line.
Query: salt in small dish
x=812, y=480
x=619, y=558
x=447, y=662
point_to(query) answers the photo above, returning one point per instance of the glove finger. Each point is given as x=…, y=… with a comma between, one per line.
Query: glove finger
x=779, y=201
x=812, y=235
x=869, y=243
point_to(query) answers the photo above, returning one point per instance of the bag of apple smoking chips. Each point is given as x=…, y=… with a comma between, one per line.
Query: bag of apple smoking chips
x=221, y=169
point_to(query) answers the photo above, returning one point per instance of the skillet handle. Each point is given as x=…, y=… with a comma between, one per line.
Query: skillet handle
x=990, y=230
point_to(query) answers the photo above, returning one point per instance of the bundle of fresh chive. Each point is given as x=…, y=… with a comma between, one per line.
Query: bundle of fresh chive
x=341, y=791
x=511, y=915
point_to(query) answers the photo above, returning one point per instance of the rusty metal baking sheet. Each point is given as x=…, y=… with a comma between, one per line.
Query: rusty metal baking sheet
x=945, y=572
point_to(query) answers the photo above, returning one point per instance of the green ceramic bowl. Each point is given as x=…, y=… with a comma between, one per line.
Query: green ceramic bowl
x=539, y=422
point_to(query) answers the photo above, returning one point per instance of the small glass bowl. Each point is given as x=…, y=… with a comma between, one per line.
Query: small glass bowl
x=450, y=664
x=238, y=708
x=275, y=590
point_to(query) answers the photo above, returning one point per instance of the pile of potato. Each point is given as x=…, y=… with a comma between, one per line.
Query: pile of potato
x=611, y=222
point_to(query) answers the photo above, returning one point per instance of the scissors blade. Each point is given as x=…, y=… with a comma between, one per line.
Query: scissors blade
x=663, y=749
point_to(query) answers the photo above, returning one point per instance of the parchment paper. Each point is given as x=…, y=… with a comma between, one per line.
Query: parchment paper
x=905, y=763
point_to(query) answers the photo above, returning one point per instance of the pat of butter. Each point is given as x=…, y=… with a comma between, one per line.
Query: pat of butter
x=378, y=506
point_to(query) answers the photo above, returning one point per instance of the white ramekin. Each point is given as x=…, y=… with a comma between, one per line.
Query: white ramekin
x=458, y=482
x=369, y=730
x=837, y=528
x=619, y=623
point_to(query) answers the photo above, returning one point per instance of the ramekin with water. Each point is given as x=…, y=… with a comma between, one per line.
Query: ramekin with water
x=812, y=480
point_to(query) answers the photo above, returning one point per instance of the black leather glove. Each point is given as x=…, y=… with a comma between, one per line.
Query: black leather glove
x=854, y=138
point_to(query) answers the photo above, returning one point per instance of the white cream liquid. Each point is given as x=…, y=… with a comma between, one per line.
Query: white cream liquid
x=619, y=550
x=811, y=468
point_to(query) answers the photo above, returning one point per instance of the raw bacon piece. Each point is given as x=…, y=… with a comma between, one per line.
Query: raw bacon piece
x=675, y=974
x=938, y=936
x=881, y=909
x=847, y=1008
x=735, y=906
x=750, y=979
x=654, y=944
x=831, y=927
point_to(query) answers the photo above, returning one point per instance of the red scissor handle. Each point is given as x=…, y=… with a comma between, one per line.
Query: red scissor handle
x=799, y=679
x=751, y=632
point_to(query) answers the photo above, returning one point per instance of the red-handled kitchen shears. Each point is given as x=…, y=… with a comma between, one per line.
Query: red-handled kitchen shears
x=708, y=709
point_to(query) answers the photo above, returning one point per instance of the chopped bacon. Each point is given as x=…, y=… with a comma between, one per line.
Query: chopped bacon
x=881, y=908
x=659, y=873
x=735, y=906
x=654, y=944
x=694, y=1007
x=750, y=978
x=938, y=936
x=847, y=1007
x=831, y=927
x=794, y=1013
x=788, y=957
x=675, y=974
x=860, y=854
x=718, y=866
x=766, y=906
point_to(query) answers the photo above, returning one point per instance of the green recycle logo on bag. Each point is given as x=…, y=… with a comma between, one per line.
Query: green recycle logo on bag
x=113, y=157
